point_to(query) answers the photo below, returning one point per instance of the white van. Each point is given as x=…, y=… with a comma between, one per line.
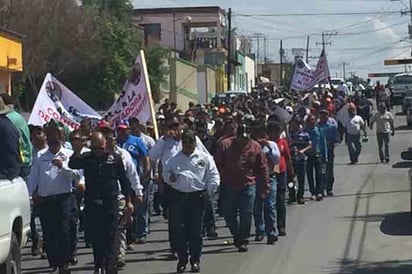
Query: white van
x=401, y=83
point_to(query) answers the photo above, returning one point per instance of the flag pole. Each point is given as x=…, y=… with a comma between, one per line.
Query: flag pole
x=149, y=93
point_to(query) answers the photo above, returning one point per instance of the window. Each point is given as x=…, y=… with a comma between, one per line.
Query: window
x=152, y=33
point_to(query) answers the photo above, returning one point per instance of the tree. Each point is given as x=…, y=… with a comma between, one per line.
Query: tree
x=157, y=71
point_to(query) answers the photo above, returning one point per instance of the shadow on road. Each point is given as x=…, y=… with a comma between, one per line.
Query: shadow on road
x=358, y=164
x=397, y=224
x=402, y=165
x=385, y=267
x=403, y=127
x=371, y=193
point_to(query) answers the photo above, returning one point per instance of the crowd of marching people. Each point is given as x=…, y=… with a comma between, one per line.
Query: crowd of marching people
x=244, y=159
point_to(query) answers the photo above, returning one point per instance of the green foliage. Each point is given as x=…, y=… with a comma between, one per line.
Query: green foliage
x=155, y=57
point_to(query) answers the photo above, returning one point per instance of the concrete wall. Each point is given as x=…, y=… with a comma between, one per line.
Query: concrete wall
x=206, y=82
x=250, y=73
x=183, y=83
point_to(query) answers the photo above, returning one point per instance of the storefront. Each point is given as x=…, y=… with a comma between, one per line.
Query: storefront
x=11, y=59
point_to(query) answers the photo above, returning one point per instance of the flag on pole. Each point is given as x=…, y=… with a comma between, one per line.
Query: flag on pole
x=135, y=100
x=56, y=101
x=321, y=74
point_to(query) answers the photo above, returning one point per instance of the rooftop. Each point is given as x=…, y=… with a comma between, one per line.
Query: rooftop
x=199, y=9
x=11, y=34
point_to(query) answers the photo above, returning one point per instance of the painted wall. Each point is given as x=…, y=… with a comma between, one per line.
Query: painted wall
x=169, y=28
x=250, y=73
x=183, y=83
x=206, y=82
x=11, y=60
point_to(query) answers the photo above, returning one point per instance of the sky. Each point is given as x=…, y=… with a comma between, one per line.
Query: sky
x=363, y=41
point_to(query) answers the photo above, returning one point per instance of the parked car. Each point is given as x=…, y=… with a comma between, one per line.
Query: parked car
x=400, y=85
x=407, y=101
x=14, y=223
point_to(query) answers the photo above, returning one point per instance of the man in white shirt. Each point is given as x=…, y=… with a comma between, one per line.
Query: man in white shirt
x=50, y=183
x=193, y=177
x=354, y=125
x=165, y=148
x=384, y=126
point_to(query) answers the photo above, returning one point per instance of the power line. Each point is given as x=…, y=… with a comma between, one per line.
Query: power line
x=317, y=14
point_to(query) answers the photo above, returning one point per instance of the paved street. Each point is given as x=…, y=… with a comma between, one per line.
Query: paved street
x=364, y=229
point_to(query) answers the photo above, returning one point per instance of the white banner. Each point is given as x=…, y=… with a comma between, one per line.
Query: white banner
x=135, y=99
x=56, y=101
x=305, y=78
x=302, y=77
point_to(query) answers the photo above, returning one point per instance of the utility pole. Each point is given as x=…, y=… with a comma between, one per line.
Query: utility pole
x=325, y=34
x=344, y=70
x=229, y=45
x=307, y=50
x=281, y=52
x=257, y=50
x=264, y=49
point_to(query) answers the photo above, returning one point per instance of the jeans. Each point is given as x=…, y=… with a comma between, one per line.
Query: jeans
x=300, y=171
x=186, y=212
x=281, y=200
x=241, y=201
x=209, y=218
x=142, y=213
x=265, y=211
x=383, y=141
x=330, y=174
x=315, y=163
x=354, y=147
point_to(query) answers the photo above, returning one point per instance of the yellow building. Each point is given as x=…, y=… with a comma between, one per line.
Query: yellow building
x=11, y=57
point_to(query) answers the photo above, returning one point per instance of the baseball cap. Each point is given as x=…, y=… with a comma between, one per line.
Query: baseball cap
x=124, y=124
x=103, y=124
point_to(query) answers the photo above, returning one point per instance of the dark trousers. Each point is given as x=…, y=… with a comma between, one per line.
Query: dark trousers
x=354, y=147
x=383, y=146
x=314, y=167
x=186, y=212
x=35, y=213
x=209, y=218
x=281, y=200
x=300, y=171
x=55, y=215
x=102, y=227
x=330, y=173
x=74, y=220
x=242, y=202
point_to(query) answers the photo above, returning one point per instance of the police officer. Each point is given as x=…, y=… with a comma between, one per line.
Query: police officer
x=102, y=171
x=193, y=177
x=50, y=184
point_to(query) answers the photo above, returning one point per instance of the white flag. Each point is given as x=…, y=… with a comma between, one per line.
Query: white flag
x=135, y=99
x=56, y=101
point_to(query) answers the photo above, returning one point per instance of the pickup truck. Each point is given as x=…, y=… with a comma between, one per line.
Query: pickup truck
x=14, y=223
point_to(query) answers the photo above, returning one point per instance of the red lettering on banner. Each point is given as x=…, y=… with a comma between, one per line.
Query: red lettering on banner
x=56, y=116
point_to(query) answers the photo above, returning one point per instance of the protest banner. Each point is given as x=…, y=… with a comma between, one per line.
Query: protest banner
x=135, y=100
x=305, y=77
x=56, y=101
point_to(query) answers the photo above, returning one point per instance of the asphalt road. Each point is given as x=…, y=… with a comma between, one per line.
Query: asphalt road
x=366, y=228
